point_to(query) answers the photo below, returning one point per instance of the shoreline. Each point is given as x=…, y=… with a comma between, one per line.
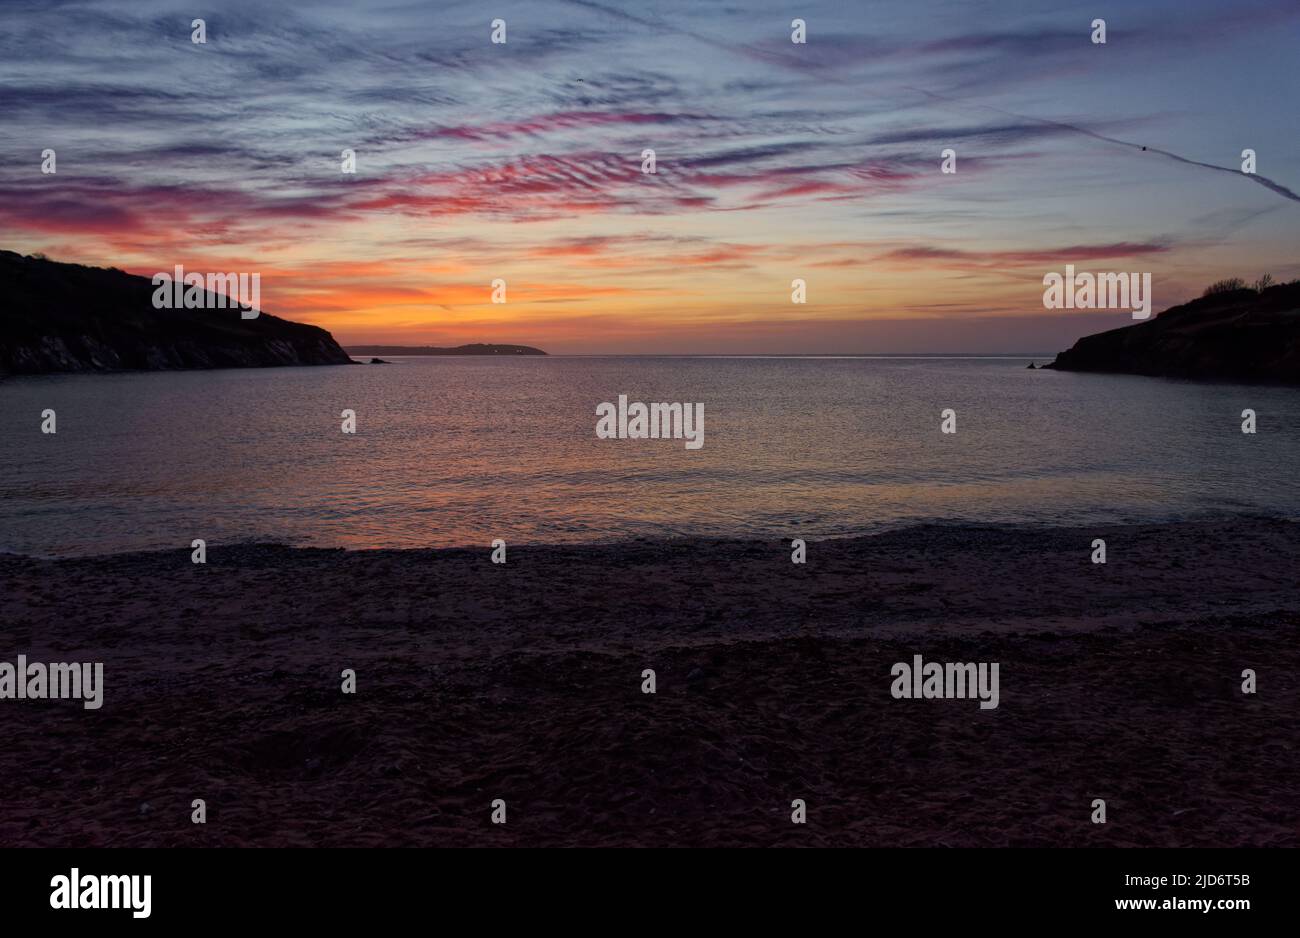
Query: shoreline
x=523, y=681
x=924, y=529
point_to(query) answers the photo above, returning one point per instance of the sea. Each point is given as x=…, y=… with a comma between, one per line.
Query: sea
x=460, y=451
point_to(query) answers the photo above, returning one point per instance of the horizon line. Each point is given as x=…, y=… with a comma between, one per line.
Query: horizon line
x=1016, y=355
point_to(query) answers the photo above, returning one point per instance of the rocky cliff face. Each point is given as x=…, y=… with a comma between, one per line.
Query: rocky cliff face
x=1242, y=335
x=65, y=317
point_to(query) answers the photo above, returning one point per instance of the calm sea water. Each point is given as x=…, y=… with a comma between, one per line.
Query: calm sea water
x=458, y=451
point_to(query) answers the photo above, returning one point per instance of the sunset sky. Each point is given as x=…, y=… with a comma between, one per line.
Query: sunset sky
x=522, y=161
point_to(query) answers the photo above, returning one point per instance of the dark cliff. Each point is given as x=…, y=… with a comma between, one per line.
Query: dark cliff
x=1240, y=335
x=66, y=318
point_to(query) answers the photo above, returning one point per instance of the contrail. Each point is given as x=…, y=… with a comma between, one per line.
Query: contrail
x=800, y=65
x=1254, y=177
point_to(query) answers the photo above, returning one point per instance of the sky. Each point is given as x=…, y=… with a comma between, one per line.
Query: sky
x=775, y=161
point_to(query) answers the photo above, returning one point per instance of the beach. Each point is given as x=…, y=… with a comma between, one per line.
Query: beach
x=523, y=681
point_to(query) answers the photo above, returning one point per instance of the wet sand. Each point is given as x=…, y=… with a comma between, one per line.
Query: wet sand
x=522, y=681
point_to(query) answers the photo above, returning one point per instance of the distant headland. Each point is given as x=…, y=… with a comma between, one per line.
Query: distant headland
x=1231, y=333
x=475, y=349
x=71, y=318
